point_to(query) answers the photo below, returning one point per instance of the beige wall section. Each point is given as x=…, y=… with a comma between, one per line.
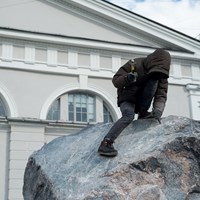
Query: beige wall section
x=30, y=90
x=39, y=87
x=177, y=101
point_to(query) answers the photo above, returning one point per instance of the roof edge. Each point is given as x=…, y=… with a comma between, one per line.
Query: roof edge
x=86, y=39
x=150, y=20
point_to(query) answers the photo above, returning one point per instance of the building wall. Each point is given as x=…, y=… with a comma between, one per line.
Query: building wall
x=19, y=138
x=177, y=101
x=30, y=90
x=33, y=77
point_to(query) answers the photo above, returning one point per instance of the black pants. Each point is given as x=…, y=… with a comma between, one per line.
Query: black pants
x=128, y=109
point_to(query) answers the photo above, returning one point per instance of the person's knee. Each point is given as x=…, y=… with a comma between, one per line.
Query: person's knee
x=128, y=112
x=128, y=118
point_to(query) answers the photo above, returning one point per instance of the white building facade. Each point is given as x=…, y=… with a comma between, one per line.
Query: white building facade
x=57, y=60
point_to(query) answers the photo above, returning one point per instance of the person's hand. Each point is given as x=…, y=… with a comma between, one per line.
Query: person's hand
x=131, y=77
x=156, y=113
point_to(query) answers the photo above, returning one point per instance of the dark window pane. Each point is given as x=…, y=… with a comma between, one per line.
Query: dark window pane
x=71, y=107
x=105, y=118
x=106, y=115
x=110, y=118
x=78, y=117
x=54, y=111
x=84, y=110
x=84, y=117
x=71, y=116
x=78, y=109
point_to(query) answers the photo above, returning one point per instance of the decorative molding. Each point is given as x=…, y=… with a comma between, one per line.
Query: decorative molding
x=52, y=57
x=193, y=87
x=29, y=55
x=194, y=97
x=83, y=81
x=95, y=61
x=64, y=110
x=195, y=71
x=116, y=63
x=59, y=42
x=7, y=52
x=64, y=45
x=72, y=59
x=11, y=106
x=54, y=95
x=177, y=70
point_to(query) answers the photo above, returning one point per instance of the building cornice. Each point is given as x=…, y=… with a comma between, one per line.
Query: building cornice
x=59, y=40
x=193, y=87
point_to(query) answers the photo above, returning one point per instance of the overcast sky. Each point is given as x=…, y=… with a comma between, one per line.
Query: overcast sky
x=181, y=15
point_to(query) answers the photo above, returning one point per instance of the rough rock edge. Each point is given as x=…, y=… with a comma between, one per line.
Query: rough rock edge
x=42, y=184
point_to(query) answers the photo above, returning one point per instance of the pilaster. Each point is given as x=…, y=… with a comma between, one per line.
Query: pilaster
x=7, y=52
x=4, y=149
x=25, y=138
x=194, y=100
x=73, y=59
x=52, y=57
x=29, y=55
x=195, y=72
x=116, y=63
x=95, y=61
x=177, y=70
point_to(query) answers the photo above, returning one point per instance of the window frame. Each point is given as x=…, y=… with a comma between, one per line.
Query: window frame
x=51, y=110
x=94, y=109
x=3, y=108
x=80, y=110
x=108, y=114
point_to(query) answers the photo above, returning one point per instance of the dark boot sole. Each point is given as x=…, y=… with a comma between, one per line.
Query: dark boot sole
x=113, y=154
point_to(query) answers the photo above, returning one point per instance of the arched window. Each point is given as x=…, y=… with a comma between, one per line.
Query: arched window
x=54, y=112
x=81, y=107
x=106, y=114
x=2, y=108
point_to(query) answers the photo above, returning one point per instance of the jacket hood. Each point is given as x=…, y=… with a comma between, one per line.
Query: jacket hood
x=158, y=61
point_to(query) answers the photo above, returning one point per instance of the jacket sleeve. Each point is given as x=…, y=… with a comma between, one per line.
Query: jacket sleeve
x=160, y=97
x=120, y=78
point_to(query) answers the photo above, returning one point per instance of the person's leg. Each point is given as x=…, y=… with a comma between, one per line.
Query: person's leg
x=146, y=97
x=128, y=111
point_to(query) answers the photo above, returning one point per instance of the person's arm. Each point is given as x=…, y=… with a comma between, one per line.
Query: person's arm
x=160, y=99
x=125, y=75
